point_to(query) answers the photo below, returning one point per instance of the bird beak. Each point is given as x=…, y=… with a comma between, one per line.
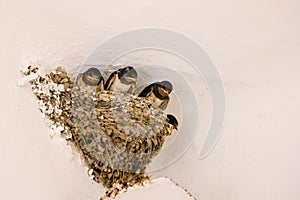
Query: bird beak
x=130, y=79
x=165, y=91
x=92, y=78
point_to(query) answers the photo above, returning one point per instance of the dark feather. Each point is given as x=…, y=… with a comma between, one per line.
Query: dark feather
x=110, y=80
x=147, y=90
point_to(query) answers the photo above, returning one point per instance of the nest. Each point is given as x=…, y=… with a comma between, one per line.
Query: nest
x=116, y=134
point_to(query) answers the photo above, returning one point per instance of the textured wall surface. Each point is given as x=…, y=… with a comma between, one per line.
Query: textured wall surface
x=255, y=45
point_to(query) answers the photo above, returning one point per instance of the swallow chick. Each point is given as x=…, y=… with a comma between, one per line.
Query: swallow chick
x=160, y=92
x=91, y=77
x=122, y=80
x=173, y=121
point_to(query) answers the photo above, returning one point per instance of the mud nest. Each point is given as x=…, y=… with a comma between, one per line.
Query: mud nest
x=116, y=134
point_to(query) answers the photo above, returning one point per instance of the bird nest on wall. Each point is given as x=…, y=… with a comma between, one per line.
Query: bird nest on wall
x=116, y=132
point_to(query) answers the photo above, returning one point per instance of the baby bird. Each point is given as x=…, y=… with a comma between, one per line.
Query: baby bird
x=160, y=92
x=91, y=77
x=122, y=80
x=173, y=121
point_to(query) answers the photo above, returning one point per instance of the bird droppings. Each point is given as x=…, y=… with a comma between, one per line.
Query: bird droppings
x=116, y=134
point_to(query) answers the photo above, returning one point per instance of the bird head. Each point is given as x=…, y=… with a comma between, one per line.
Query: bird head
x=128, y=74
x=173, y=121
x=164, y=88
x=92, y=77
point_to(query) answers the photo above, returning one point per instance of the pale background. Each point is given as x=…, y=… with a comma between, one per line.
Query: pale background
x=254, y=43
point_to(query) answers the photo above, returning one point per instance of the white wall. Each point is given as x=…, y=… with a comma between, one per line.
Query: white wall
x=255, y=45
